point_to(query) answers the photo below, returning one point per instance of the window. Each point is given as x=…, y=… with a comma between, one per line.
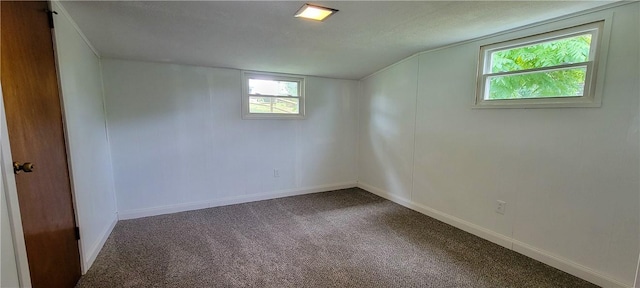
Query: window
x=556, y=69
x=269, y=95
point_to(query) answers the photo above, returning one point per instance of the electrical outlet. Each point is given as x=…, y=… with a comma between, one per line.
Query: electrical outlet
x=501, y=206
x=276, y=173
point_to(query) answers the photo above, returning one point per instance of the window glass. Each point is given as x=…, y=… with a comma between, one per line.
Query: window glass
x=546, y=54
x=274, y=105
x=553, y=69
x=272, y=96
x=567, y=82
x=273, y=87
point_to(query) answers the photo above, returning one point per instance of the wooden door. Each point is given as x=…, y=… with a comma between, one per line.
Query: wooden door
x=34, y=120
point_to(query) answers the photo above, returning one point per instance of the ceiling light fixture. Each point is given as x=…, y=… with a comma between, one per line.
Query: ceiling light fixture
x=315, y=12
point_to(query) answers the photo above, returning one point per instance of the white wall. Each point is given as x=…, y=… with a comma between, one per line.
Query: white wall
x=178, y=140
x=87, y=143
x=387, y=123
x=8, y=265
x=569, y=176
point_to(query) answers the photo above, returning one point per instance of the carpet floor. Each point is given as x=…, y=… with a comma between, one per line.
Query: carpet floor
x=344, y=238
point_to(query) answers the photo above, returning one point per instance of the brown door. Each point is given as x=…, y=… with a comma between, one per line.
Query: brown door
x=34, y=119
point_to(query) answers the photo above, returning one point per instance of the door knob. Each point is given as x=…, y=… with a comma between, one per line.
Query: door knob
x=26, y=167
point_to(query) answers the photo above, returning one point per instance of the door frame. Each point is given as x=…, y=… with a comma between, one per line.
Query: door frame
x=9, y=182
x=11, y=194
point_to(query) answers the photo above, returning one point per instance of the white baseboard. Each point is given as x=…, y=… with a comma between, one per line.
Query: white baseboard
x=566, y=265
x=153, y=211
x=93, y=252
x=543, y=256
x=451, y=220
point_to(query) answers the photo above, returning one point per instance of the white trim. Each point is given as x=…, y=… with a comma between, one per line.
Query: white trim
x=474, y=229
x=160, y=210
x=543, y=256
x=246, y=114
x=64, y=12
x=593, y=27
x=566, y=265
x=93, y=252
x=13, y=206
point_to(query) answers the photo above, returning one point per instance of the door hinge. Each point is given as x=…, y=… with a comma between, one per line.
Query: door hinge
x=50, y=15
x=77, y=231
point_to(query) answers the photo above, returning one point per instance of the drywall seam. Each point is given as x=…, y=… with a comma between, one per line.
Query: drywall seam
x=415, y=129
x=64, y=12
x=106, y=132
x=530, y=251
x=160, y=210
x=93, y=252
x=360, y=96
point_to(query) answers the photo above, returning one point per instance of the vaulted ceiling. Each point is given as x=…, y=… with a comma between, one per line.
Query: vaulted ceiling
x=264, y=36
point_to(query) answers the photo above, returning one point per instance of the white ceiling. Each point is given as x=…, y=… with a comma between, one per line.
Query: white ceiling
x=264, y=36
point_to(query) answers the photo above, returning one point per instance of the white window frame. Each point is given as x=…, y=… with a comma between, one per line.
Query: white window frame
x=589, y=98
x=246, y=75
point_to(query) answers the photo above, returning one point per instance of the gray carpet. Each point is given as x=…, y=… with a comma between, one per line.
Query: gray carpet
x=345, y=238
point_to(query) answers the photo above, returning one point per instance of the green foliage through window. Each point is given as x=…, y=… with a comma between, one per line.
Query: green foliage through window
x=558, y=83
x=562, y=82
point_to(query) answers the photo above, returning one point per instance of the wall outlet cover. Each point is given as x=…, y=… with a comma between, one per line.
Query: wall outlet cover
x=501, y=207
